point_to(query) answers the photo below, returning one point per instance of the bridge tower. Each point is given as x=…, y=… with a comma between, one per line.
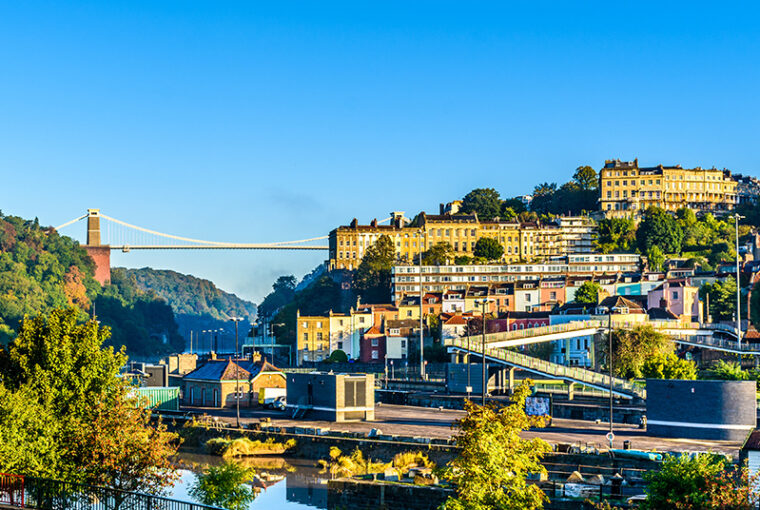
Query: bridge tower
x=100, y=253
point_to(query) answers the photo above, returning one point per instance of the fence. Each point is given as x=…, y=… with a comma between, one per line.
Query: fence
x=47, y=494
x=12, y=490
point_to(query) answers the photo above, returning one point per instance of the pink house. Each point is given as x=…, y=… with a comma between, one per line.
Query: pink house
x=678, y=296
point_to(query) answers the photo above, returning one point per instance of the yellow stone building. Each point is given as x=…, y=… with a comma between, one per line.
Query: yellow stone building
x=627, y=190
x=312, y=337
x=521, y=241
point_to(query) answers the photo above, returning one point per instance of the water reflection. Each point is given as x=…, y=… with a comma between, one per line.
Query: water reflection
x=303, y=487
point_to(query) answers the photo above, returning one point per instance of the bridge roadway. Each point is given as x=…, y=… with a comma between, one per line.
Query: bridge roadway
x=620, y=387
x=688, y=333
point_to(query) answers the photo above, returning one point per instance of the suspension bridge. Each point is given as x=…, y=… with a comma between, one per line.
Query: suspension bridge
x=113, y=234
x=119, y=235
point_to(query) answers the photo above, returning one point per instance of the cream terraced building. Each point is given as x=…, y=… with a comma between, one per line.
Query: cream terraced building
x=627, y=190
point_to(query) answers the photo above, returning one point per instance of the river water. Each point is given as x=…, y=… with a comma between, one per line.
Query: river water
x=303, y=487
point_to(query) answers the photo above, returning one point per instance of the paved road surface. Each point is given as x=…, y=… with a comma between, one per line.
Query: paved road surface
x=430, y=422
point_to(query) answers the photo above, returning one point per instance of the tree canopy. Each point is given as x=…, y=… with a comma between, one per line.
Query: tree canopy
x=373, y=276
x=722, y=297
x=668, y=366
x=65, y=413
x=488, y=248
x=439, y=254
x=494, y=463
x=659, y=228
x=632, y=348
x=485, y=202
x=588, y=293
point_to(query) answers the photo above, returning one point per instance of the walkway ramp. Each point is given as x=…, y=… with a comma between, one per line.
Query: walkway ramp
x=620, y=387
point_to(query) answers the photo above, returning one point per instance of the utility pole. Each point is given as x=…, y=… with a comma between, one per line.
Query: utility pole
x=191, y=341
x=422, y=340
x=236, y=320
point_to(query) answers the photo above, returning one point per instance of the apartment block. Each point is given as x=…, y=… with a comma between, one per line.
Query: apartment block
x=627, y=190
x=521, y=241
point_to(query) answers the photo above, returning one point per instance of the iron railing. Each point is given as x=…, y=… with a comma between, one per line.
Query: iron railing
x=574, y=374
x=47, y=494
x=12, y=490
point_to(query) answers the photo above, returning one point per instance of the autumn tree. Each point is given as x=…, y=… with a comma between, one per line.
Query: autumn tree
x=494, y=462
x=65, y=413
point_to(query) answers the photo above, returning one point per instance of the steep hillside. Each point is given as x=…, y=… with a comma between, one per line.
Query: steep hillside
x=197, y=303
x=41, y=270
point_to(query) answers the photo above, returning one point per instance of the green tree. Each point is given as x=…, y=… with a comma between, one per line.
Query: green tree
x=588, y=293
x=514, y=204
x=488, y=248
x=373, y=276
x=727, y=371
x=661, y=229
x=485, y=202
x=722, y=296
x=85, y=427
x=494, y=462
x=439, y=254
x=655, y=258
x=616, y=235
x=698, y=482
x=631, y=348
x=338, y=356
x=586, y=178
x=668, y=366
x=462, y=260
x=224, y=486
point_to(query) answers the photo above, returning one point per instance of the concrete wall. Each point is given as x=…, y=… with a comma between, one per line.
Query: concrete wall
x=723, y=410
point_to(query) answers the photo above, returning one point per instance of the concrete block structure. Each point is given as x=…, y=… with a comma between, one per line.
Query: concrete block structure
x=718, y=410
x=332, y=397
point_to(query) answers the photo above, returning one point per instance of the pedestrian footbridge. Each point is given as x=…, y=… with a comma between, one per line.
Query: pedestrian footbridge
x=708, y=336
x=620, y=387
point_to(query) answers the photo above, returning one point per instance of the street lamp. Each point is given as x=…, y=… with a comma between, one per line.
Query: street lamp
x=610, y=436
x=483, y=302
x=236, y=320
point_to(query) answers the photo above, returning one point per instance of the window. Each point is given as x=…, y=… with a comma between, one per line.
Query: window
x=675, y=294
x=319, y=336
x=319, y=324
x=305, y=337
x=408, y=313
x=375, y=342
x=304, y=325
x=340, y=345
x=361, y=320
x=552, y=295
x=403, y=344
x=375, y=355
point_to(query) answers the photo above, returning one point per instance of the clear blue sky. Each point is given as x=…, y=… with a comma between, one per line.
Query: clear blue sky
x=246, y=121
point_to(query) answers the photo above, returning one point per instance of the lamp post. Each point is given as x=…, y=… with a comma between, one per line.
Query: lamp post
x=236, y=320
x=737, y=217
x=483, y=302
x=610, y=435
x=469, y=356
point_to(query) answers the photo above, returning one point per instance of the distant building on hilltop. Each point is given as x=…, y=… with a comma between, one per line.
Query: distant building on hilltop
x=627, y=190
x=521, y=241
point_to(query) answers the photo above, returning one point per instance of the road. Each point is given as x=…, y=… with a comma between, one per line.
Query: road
x=435, y=423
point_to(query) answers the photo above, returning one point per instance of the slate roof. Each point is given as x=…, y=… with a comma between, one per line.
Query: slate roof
x=226, y=370
x=753, y=441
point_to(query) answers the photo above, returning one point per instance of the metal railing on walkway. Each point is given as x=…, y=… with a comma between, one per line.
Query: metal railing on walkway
x=47, y=494
x=553, y=370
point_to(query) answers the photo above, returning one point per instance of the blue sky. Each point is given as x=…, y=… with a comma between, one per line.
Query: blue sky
x=252, y=121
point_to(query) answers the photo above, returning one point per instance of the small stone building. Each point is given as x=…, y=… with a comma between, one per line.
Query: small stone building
x=214, y=383
x=332, y=397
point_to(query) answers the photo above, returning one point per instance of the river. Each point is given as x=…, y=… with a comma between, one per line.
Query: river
x=303, y=487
